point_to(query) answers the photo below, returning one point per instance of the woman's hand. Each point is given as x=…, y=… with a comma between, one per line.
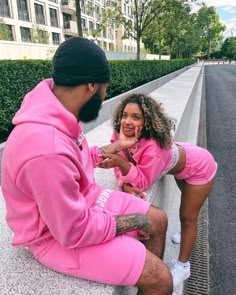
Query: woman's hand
x=126, y=142
x=133, y=190
x=114, y=160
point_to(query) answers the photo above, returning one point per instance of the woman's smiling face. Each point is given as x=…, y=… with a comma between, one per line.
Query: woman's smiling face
x=132, y=117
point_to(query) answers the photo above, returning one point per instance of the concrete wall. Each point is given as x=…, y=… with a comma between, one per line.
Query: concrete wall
x=21, y=50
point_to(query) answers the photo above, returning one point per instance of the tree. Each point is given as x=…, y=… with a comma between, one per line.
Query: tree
x=143, y=14
x=180, y=31
x=39, y=35
x=229, y=48
x=154, y=35
x=78, y=17
x=211, y=27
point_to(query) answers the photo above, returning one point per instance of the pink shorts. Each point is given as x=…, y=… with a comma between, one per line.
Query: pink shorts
x=117, y=262
x=200, y=167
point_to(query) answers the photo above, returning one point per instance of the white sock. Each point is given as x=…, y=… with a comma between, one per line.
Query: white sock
x=183, y=264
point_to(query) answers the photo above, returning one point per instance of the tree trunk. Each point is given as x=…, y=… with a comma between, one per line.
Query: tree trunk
x=170, y=46
x=78, y=18
x=159, y=49
x=138, y=48
x=208, y=49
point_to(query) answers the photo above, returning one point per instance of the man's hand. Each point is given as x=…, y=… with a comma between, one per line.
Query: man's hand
x=136, y=221
x=134, y=190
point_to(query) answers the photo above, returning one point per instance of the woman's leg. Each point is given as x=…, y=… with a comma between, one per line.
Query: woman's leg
x=192, y=199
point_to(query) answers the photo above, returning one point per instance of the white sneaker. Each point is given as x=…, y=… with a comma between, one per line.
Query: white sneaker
x=180, y=274
x=176, y=238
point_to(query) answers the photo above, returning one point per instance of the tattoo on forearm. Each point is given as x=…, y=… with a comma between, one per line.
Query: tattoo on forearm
x=126, y=223
x=112, y=148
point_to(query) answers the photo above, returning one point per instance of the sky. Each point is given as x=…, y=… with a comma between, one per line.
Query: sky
x=227, y=12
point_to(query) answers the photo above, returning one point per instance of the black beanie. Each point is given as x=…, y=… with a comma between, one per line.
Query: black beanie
x=79, y=61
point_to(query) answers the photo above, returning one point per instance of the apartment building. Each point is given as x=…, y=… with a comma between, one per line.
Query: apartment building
x=129, y=44
x=53, y=21
x=27, y=20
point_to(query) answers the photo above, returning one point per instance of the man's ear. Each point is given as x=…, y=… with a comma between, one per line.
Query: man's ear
x=92, y=87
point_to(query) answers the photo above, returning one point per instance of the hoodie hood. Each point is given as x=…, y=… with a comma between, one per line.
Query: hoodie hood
x=41, y=106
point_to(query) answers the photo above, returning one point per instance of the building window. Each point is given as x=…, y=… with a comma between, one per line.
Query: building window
x=66, y=20
x=83, y=23
x=90, y=8
x=104, y=45
x=53, y=17
x=55, y=1
x=39, y=14
x=104, y=33
x=22, y=10
x=55, y=38
x=91, y=27
x=97, y=12
x=6, y=32
x=98, y=30
x=67, y=37
x=4, y=8
x=82, y=6
x=25, y=34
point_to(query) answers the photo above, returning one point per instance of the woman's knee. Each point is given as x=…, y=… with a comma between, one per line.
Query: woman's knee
x=187, y=219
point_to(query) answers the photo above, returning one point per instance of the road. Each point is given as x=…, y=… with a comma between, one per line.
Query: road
x=221, y=141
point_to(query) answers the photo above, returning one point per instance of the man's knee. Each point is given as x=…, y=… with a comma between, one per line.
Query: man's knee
x=158, y=218
x=155, y=275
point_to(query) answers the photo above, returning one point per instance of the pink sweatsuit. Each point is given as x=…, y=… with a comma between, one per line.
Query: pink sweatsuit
x=149, y=162
x=54, y=206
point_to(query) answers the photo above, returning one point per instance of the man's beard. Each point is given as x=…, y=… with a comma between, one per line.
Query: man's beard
x=91, y=108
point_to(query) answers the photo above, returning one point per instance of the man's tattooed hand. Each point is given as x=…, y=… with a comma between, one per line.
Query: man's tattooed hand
x=136, y=221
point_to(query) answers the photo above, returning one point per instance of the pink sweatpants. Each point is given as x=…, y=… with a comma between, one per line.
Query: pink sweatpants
x=117, y=262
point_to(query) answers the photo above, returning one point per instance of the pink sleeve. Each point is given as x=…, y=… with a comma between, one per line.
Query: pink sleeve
x=148, y=168
x=115, y=136
x=54, y=182
x=95, y=155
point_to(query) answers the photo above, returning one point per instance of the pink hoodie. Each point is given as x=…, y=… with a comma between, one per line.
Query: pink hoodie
x=150, y=162
x=48, y=181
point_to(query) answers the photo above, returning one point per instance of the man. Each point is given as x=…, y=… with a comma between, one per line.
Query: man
x=54, y=206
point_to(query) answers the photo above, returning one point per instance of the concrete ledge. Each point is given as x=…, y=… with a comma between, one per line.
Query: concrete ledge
x=181, y=98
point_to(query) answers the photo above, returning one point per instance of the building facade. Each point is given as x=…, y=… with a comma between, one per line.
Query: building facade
x=52, y=21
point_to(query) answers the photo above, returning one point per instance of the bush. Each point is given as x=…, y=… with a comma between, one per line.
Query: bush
x=20, y=76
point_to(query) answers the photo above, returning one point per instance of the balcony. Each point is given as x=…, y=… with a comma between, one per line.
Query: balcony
x=70, y=28
x=68, y=6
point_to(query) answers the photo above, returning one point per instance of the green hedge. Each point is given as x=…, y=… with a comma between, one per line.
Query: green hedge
x=19, y=76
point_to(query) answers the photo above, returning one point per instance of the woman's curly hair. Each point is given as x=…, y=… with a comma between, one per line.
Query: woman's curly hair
x=157, y=124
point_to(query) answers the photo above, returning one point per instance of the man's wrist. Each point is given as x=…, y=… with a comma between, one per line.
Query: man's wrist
x=112, y=148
